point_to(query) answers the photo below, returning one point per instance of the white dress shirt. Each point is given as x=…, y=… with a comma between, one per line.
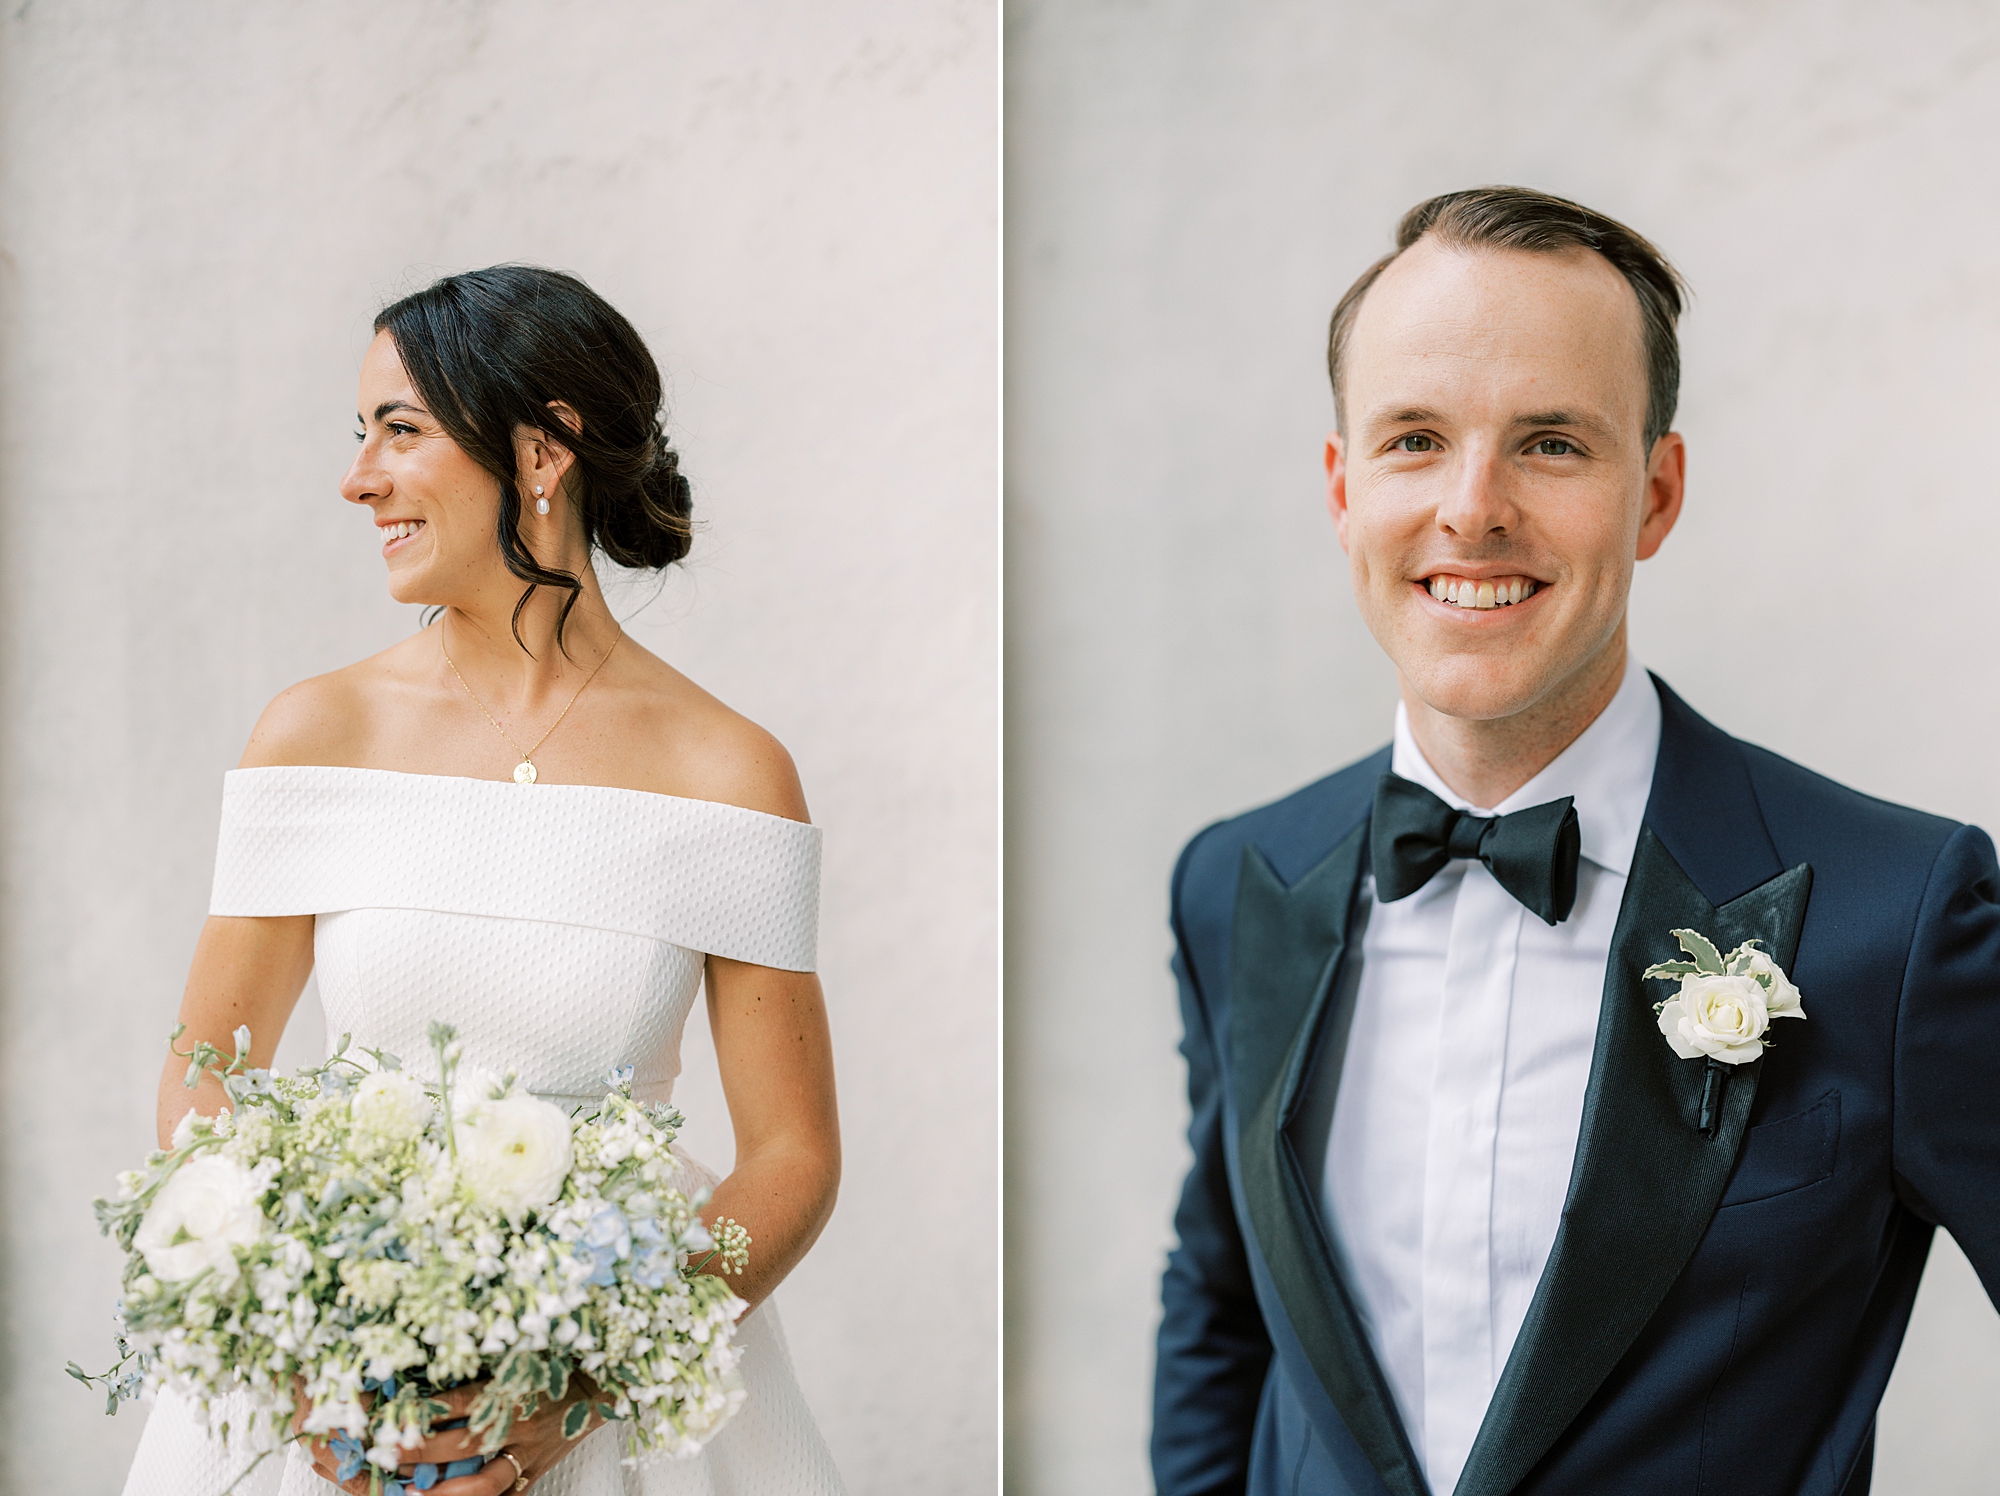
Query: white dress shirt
x=1460, y=1095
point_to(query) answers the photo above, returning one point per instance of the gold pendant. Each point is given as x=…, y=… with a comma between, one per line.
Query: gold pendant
x=524, y=772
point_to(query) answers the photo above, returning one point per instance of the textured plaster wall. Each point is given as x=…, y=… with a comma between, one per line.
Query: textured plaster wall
x=201, y=207
x=1190, y=188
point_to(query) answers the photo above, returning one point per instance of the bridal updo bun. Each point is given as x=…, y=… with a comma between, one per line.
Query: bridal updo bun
x=489, y=350
x=652, y=529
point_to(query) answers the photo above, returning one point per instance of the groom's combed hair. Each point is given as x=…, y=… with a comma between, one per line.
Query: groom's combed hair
x=1521, y=218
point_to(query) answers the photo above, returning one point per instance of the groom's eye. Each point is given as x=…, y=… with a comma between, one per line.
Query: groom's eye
x=1416, y=441
x=1553, y=446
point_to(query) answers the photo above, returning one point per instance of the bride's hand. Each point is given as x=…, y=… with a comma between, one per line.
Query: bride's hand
x=536, y=1444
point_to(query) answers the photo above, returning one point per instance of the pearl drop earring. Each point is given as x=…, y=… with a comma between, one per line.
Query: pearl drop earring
x=541, y=504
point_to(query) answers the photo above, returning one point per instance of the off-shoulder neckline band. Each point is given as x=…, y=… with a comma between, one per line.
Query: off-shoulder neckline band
x=521, y=789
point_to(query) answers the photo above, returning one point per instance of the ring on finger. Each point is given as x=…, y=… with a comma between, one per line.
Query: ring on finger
x=520, y=1475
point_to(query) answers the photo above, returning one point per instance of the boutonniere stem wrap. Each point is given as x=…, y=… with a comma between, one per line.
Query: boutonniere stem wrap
x=1723, y=1011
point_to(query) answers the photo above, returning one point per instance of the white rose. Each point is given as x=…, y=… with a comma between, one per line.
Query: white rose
x=1720, y=1016
x=1781, y=998
x=200, y=1216
x=390, y=1106
x=514, y=1154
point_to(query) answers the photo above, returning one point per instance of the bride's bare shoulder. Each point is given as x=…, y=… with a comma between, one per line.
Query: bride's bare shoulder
x=711, y=752
x=330, y=718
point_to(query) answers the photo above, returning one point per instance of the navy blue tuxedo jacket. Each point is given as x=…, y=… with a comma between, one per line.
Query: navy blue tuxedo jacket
x=1718, y=1314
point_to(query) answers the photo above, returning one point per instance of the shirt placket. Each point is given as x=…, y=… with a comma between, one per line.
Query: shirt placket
x=1459, y=1171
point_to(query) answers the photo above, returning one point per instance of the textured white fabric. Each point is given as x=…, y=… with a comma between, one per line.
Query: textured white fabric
x=424, y=912
x=1460, y=1095
x=711, y=877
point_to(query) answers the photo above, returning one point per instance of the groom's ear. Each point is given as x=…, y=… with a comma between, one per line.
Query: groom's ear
x=1336, y=484
x=1666, y=484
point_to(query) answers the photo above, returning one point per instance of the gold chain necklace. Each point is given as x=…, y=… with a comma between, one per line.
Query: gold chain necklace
x=524, y=771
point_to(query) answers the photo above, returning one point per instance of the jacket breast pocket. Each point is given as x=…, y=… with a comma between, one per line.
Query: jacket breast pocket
x=1786, y=1154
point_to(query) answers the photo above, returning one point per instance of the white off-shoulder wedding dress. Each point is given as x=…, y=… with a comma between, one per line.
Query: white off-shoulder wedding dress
x=562, y=929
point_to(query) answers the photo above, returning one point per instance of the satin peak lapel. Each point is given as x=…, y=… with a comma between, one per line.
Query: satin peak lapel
x=1646, y=1182
x=1287, y=946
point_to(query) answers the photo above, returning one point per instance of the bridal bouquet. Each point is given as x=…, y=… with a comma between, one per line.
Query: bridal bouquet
x=353, y=1236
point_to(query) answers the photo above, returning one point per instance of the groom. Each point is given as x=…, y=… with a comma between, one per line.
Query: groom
x=1465, y=1214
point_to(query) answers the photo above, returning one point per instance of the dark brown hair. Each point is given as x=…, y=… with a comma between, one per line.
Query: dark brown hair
x=1521, y=218
x=489, y=349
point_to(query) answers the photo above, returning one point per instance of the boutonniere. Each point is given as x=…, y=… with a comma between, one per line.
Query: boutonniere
x=1723, y=1010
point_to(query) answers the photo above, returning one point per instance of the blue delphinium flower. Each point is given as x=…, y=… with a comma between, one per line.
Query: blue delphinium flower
x=605, y=1240
x=652, y=1253
x=348, y=1451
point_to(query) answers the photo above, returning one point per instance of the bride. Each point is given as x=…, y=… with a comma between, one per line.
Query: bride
x=522, y=823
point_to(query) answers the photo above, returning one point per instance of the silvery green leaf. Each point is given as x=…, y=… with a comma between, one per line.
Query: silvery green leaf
x=1666, y=970
x=1738, y=960
x=576, y=1420
x=1707, y=959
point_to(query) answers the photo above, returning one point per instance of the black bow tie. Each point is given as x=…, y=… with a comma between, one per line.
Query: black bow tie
x=1531, y=853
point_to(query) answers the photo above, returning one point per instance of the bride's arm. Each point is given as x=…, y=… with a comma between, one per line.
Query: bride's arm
x=769, y=1025
x=776, y=1061
x=245, y=971
x=251, y=971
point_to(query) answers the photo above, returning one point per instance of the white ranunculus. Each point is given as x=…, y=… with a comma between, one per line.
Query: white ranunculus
x=389, y=1106
x=200, y=1216
x=1781, y=998
x=1717, y=1015
x=514, y=1154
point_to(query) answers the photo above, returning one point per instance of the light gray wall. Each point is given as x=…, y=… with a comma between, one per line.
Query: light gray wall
x=1190, y=188
x=796, y=203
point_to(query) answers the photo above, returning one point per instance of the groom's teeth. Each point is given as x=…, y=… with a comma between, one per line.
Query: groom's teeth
x=1463, y=592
